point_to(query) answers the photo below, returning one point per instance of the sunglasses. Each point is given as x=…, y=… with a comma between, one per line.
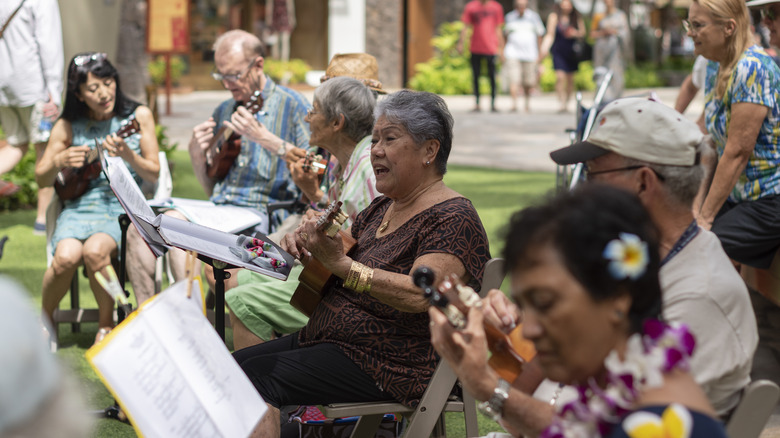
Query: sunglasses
x=82, y=60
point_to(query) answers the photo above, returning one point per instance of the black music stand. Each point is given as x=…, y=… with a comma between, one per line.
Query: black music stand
x=122, y=310
x=220, y=275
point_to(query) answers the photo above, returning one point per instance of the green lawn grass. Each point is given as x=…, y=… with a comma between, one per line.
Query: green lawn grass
x=495, y=193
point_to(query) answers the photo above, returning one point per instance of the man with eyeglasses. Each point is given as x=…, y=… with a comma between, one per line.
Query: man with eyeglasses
x=651, y=150
x=770, y=16
x=271, y=139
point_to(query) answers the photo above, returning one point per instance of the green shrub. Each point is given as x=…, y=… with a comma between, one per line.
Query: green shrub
x=157, y=69
x=449, y=71
x=583, y=78
x=290, y=72
x=643, y=76
x=164, y=142
x=23, y=175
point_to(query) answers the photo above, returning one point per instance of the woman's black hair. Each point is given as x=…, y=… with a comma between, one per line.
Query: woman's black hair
x=579, y=225
x=97, y=64
x=574, y=15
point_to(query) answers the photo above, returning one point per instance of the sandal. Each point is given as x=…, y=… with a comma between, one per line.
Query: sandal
x=101, y=334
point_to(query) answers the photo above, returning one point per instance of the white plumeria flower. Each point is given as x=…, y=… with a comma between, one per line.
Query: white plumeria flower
x=628, y=256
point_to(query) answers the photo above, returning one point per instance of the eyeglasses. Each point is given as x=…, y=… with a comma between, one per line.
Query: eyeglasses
x=769, y=13
x=694, y=26
x=232, y=77
x=82, y=60
x=589, y=174
x=311, y=112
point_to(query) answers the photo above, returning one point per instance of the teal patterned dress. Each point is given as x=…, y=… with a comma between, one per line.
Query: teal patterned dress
x=96, y=211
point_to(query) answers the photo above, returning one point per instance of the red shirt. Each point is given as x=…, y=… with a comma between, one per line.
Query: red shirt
x=485, y=19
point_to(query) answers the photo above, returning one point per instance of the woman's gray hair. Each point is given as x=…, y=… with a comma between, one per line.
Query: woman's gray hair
x=681, y=183
x=352, y=99
x=424, y=115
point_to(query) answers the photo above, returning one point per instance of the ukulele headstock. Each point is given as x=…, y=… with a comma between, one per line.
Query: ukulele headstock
x=451, y=296
x=332, y=219
x=255, y=102
x=314, y=161
x=129, y=127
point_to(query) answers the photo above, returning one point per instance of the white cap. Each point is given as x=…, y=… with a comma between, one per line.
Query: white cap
x=30, y=373
x=641, y=129
x=754, y=3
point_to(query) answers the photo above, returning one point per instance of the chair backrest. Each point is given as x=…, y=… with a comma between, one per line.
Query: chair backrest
x=751, y=414
x=493, y=276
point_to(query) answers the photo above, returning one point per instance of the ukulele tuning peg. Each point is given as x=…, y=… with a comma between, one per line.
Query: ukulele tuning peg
x=423, y=278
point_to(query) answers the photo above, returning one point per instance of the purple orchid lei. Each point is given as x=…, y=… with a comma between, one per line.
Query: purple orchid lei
x=660, y=349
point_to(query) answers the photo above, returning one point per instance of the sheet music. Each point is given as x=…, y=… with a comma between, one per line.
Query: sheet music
x=227, y=218
x=132, y=200
x=173, y=375
x=214, y=244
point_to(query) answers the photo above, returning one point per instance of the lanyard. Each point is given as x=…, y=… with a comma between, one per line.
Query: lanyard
x=684, y=239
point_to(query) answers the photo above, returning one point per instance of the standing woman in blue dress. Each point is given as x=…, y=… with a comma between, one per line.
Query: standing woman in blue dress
x=87, y=229
x=564, y=27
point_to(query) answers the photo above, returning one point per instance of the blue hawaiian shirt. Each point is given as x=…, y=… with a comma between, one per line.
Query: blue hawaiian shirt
x=755, y=79
x=259, y=177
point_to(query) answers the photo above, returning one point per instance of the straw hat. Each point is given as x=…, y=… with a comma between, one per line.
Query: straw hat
x=360, y=66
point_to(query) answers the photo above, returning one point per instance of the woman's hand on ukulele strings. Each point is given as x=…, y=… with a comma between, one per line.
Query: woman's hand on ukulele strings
x=500, y=311
x=74, y=156
x=308, y=182
x=117, y=147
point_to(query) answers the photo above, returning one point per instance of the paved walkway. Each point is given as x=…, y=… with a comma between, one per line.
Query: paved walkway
x=517, y=141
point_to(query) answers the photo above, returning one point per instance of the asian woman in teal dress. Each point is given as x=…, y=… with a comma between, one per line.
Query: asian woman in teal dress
x=87, y=230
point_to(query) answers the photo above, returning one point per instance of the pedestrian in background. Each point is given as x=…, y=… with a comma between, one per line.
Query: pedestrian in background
x=485, y=18
x=564, y=26
x=524, y=31
x=31, y=66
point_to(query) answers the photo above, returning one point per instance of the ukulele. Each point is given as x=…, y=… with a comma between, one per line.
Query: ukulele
x=226, y=145
x=315, y=279
x=510, y=352
x=314, y=161
x=72, y=182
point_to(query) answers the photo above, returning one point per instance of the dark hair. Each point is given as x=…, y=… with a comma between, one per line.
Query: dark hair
x=579, y=225
x=574, y=15
x=97, y=64
x=425, y=116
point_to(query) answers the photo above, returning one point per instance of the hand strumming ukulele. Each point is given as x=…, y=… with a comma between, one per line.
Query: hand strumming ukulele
x=226, y=145
x=315, y=279
x=509, y=353
x=72, y=182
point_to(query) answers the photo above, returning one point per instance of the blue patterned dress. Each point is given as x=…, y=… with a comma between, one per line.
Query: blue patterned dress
x=755, y=79
x=95, y=211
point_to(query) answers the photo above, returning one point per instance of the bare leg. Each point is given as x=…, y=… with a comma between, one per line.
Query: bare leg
x=97, y=252
x=269, y=426
x=56, y=279
x=44, y=193
x=513, y=92
x=140, y=266
x=527, y=91
x=10, y=156
x=230, y=283
x=569, y=88
x=560, y=89
x=242, y=336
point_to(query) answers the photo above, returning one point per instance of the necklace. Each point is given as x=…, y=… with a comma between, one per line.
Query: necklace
x=386, y=223
x=383, y=226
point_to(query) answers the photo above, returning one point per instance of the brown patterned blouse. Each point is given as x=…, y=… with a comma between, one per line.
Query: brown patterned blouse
x=391, y=346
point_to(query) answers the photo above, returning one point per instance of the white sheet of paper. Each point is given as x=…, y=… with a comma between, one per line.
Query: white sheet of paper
x=174, y=376
x=227, y=218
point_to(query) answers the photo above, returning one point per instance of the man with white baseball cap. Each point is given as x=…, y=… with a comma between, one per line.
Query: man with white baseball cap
x=653, y=151
x=770, y=16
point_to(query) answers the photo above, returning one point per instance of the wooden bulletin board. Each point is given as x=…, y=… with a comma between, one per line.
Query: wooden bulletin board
x=168, y=26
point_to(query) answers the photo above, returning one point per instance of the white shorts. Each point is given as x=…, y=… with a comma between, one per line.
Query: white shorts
x=521, y=70
x=22, y=125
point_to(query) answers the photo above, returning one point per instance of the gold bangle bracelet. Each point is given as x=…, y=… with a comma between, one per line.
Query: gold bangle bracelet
x=369, y=279
x=353, y=276
x=361, y=285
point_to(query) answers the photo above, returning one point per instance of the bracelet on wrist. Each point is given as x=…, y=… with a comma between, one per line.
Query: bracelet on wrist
x=493, y=408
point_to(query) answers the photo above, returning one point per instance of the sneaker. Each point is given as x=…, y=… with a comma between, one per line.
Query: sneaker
x=7, y=188
x=39, y=229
